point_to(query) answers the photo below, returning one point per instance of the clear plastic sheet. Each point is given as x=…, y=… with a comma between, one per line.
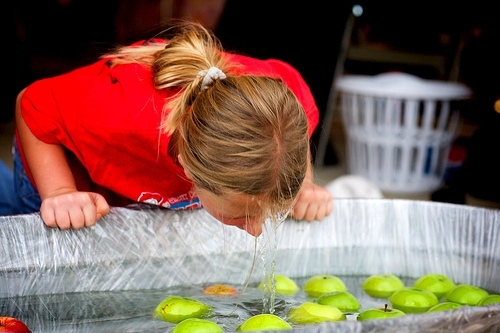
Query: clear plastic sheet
x=140, y=249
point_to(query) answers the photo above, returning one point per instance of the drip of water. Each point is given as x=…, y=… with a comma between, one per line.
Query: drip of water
x=268, y=246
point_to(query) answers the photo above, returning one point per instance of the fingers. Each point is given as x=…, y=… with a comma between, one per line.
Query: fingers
x=311, y=212
x=48, y=216
x=73, y=210
x=313, y=204
x=102, y=207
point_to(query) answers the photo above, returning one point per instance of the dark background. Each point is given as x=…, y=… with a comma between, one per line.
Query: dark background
x=47, y=37
x=43, y=38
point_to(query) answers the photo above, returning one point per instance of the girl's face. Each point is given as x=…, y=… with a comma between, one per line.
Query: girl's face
x=239, y=210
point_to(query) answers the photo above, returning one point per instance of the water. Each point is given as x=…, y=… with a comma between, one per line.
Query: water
x=268, y=245
x=131, y=311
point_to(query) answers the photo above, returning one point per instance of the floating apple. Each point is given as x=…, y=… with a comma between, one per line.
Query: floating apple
x=264, y=322
x=220, y=290
x=313, y=313
x=490, y=299
x=318, y=285
x=445, y=306
x=382, y=285
x=13, y=325
x=466, y=294
x=380, y=313
x=175, y=309
x=438, y=284
x=413, y=300
x=197, y=325
x=342, y=300
x=284, y=285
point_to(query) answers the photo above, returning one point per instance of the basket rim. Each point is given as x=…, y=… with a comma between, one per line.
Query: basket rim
x=402, y=85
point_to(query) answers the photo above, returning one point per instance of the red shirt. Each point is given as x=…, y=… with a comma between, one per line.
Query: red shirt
x=108, y=119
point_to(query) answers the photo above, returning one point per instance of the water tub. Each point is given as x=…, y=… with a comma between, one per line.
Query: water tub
x=139, y=249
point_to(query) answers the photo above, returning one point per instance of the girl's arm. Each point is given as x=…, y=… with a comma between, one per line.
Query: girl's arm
x=62, y=205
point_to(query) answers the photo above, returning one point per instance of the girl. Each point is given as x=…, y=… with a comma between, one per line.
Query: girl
x=177, y=123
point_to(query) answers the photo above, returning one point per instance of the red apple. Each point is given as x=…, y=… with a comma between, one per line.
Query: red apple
x=13, y=325
x=220, y=290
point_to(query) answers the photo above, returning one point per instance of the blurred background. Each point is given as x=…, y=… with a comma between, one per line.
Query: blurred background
x=440, y=40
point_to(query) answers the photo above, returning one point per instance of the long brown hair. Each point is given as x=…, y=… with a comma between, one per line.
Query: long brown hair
x=243, y=134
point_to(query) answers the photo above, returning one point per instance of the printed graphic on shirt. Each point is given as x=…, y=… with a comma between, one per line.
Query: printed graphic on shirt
x=182, y=202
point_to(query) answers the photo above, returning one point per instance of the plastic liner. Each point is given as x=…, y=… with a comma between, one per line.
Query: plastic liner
x=139, y=250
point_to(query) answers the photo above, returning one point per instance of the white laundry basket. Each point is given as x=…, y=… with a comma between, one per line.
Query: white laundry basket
x=399, y=128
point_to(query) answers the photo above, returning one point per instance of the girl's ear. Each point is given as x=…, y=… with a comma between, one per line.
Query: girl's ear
x=186, y=172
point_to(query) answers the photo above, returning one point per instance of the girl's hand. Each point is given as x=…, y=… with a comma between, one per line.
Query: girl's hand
x=73, y=209
x=313, y=202
x=62, y=205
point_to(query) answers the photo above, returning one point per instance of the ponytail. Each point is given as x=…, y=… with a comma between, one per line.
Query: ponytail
x=244, y=134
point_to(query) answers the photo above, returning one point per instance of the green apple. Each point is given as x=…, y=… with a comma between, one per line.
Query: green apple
x=264, y=322
x=342, y=300
x=413, y=300
x=466, y=294
x=381, y=285
x=175, y=309
x=284, y=285
x=445, y=306
x=197, y=325
x=490, y=299
x=313, y=313
x=379, y=313
x=438, y=284
x=318, y=285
